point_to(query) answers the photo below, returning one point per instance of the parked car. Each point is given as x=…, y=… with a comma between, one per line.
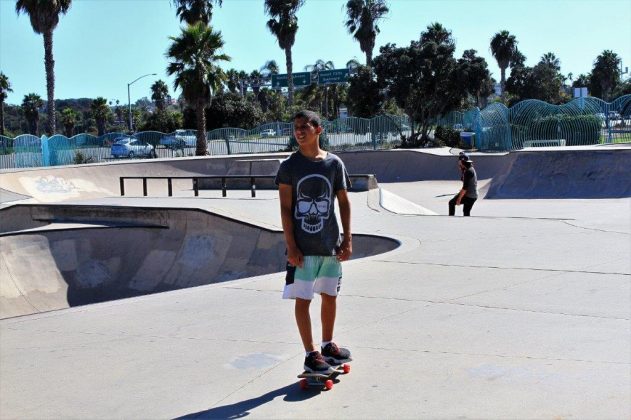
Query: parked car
x=458, y=127
x=614, y=115
x=130, y=147
x=178, y=140
x=268, y=133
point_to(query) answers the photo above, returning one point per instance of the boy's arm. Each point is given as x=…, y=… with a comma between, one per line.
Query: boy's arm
x=346, y=248
x=294, y=255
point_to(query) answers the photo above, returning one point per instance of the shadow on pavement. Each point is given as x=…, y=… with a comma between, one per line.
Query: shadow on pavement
x=240, y=409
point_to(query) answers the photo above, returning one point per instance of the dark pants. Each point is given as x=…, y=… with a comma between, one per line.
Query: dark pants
x=466, y=202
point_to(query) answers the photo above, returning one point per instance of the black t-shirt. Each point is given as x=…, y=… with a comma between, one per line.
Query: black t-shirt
x=470, y=183
x=314, y=187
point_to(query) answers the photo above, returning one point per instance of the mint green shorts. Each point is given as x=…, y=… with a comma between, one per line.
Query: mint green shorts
x=318, y=274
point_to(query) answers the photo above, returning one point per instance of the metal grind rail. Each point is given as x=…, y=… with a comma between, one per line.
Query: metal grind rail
x=224, y=182
x=196, y=179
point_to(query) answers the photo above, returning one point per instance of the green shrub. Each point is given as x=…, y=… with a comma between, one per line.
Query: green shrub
x=575, y=129
x=448, y=137
x=80, y=158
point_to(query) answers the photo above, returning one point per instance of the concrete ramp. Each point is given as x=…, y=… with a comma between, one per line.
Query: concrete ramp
x=588, y=173
x=133, y=251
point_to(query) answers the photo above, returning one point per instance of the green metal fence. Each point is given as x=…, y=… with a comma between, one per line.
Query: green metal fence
x=530, y=123
x=533, y=123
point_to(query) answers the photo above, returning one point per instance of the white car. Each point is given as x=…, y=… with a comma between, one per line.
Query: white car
x=179, y=140
x=130, y=147
x=268, y=133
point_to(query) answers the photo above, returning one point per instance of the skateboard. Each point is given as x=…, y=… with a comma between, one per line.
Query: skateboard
x=311, y=379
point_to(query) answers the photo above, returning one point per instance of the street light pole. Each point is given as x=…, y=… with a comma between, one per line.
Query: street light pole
x=131, y=124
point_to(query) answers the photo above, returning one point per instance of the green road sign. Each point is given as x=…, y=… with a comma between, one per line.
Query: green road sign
x=300, y=79
x=333, y=76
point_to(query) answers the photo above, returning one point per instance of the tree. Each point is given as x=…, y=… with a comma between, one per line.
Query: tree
x=284, y=25
x=352, y=65
x=255, y=80
x=269, y=68
x=551, y=60
x=605, y=75
x=321, y=92
x=30, y=107
x=363, y=16
x=503, y=48
x=5, y=87
x=100, y=112
x=541, y=82
x=474, y=75
x=581, y=81
x=193, y=60
x=69, y=119
x=44, y=16
x=160, y=95
x=193, y=11
x=232, y=110
x=517, y=60
x=364, y=98
x=232, y=80
x=164, y=122
x=422, y=79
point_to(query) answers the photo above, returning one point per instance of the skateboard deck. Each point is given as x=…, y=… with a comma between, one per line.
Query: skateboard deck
x=311, y=379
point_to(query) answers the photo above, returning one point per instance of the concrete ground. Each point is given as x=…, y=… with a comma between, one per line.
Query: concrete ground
x=522, y=311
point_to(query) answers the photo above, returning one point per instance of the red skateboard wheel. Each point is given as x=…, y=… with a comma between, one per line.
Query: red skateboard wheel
x=304, y=384
x=346, y=368
x=328, y=384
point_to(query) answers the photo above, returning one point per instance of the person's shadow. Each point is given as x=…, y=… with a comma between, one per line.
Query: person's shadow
x=240, y=409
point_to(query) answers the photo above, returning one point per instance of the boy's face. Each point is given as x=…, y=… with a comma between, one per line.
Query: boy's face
x=305, y=132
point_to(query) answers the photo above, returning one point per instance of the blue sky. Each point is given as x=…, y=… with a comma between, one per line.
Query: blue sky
x=101, y=45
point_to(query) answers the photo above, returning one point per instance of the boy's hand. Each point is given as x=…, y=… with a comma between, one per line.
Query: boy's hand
x=295, y=257
x=345, y=251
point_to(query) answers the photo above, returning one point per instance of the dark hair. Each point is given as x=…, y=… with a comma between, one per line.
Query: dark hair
x=310, y=116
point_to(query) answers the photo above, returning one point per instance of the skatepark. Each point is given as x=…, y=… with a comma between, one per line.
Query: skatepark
x=150, y=305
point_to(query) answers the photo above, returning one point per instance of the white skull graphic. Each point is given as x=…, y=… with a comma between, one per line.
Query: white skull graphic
x=313, y=202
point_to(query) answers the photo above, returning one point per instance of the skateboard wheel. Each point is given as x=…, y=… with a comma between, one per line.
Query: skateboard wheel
x=346, y=368
x=328, y=384
x=304, y=384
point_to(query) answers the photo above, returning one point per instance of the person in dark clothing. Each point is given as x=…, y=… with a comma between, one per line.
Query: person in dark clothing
x=469, y=192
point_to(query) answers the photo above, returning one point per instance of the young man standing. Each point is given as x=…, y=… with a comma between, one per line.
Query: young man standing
x=309, y=181
x=469, y=192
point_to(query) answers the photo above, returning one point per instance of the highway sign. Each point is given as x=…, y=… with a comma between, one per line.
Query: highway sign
x=333, y=76
x=300, y=79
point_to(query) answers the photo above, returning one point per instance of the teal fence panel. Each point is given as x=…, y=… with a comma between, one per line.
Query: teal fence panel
x=494, y=133
x=28, y=151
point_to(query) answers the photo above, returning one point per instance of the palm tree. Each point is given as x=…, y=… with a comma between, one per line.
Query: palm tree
x=193, y=60
x=100, y=112
x=284, y=25
x=193, y=11
x=605, y=74
x=69, y=119
x=270, y=67
x=503, y=47
x=256, y=80
x=352, y=65
x=30, y=107
x=160, y=95
x=323, y=95
x=362, y=22
x=549, y=59
x=44, y=15
x=5, y=87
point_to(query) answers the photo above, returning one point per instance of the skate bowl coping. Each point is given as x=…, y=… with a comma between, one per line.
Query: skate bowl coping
x=59, y=256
